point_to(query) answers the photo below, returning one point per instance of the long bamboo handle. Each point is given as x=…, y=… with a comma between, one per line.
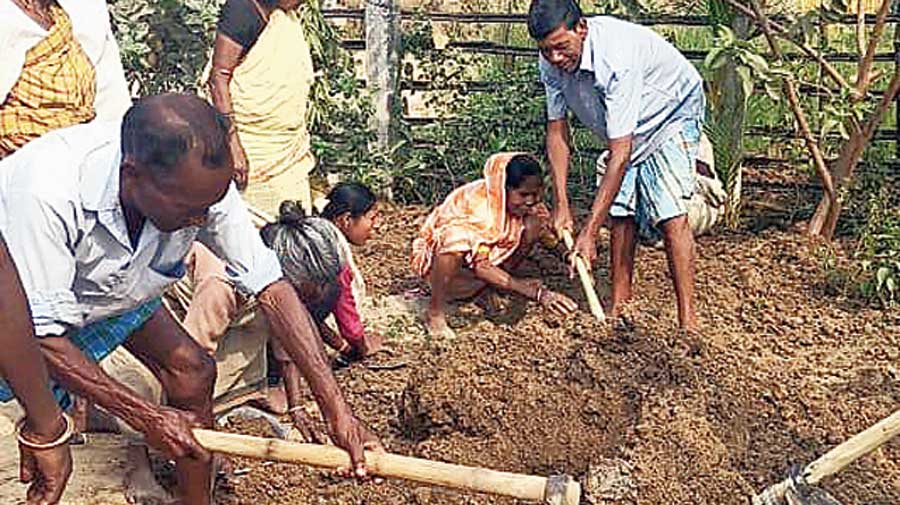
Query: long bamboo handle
x=856, y=447
x=482, y=480
x=587, y=281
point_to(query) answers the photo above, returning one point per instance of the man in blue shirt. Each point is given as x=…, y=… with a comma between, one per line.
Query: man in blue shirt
x=635, y=91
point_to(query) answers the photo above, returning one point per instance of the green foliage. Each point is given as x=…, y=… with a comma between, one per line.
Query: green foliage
x=719, y=12
x=335, y=88
x=878, y=250
x=431, y=159
x=164, y=44
x=871, y=226
x=622, y=8
x=733, y=68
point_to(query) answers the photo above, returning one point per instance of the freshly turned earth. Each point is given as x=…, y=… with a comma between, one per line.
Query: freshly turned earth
x=785, y=369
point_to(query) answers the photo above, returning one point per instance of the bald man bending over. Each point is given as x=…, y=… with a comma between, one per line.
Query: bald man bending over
x=98, y=219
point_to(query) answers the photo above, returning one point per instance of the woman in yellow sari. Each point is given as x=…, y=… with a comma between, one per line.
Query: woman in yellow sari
x=261, y=74
x=479, y=234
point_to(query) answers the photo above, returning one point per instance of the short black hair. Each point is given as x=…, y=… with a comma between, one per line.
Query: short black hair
x=352, y=197
x=520, y=167
x=544, y=16
x=157, y=131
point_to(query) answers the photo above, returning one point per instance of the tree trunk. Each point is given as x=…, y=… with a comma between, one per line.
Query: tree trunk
x=824, y=221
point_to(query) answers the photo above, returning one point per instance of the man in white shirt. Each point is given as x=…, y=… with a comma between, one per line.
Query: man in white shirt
x=98, y=219
x=635, y=91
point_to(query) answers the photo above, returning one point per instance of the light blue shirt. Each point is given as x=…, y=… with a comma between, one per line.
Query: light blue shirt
x=62, y=220
x=630, y=81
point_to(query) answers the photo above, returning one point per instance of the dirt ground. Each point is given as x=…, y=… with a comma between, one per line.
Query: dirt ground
x=783, y=371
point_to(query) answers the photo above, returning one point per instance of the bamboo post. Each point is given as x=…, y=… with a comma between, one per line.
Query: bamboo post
x=856, y=447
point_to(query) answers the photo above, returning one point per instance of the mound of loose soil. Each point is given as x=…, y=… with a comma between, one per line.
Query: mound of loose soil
x=781, y=373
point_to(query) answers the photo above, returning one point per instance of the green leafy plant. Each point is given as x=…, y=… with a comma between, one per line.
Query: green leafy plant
x=733, y=68
x=878, y=250
x=164, y=44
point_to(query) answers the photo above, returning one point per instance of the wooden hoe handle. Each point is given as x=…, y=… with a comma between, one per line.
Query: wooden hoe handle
x=587, y=280
x=856, y=447
x=481, y=480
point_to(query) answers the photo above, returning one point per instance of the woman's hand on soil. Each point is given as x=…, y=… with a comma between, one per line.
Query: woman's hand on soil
x=371, y=344
x=557, y=303
x=305, y=426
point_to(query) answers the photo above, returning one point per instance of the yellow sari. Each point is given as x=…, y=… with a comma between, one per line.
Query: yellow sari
x=270, y=93
x=56, y=88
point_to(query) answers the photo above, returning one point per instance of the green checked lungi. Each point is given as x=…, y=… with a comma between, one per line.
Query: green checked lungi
x=97, y=340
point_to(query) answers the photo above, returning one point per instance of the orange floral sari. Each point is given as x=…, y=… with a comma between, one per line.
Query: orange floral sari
x=473, y=221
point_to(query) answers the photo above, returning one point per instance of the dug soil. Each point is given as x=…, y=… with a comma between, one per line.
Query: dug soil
x=785, y=368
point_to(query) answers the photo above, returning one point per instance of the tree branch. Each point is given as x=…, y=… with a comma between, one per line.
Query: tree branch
x=886, y=101
x=809, y=51
x=865, y=65
x=860, y=29
x=791, y=91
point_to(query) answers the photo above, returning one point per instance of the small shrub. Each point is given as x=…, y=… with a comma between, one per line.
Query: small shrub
x=879, y=249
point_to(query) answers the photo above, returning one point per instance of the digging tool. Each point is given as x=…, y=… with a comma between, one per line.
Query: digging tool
x=587, y=281
x=556, y=490
x=800, y=488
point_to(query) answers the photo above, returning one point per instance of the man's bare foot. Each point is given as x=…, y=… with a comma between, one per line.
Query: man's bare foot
x=275, y=401
x=689, y=326
x=437, y=327
x=690, y=342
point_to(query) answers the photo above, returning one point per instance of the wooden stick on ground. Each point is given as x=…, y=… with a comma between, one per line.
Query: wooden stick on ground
x=587, y=280
x=481, y=480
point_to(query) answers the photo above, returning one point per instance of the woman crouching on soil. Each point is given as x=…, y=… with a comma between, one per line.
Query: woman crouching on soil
x=318, y=262
x=480, y=234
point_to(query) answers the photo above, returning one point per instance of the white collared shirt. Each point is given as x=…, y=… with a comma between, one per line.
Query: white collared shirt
x=62, y=220
x=630, y=81
x=92, y=29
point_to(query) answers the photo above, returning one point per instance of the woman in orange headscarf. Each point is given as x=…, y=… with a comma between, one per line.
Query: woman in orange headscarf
x=480, y=233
